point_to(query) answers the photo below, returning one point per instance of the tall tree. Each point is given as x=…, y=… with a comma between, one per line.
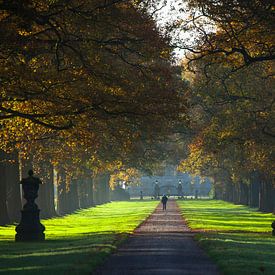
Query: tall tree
x=12, y=177
x=4, y=216
x=82, y=83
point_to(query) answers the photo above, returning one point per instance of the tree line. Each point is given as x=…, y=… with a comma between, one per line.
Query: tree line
x=89, y=92
x=230, y=72
x=87, y=89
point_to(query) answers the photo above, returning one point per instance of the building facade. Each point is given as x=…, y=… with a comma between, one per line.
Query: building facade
x=168, y=184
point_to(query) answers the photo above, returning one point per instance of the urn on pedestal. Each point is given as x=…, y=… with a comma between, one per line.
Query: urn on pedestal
x=30, y=228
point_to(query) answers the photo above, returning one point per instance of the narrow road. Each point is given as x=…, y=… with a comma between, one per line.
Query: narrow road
x=163, y=244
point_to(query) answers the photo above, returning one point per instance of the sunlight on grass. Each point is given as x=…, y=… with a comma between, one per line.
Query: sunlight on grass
x=244, y=244
x=75, y=243
x=224, y=216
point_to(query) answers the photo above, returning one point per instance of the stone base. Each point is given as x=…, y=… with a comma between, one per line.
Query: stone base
x=25, y=237
x=30, y=229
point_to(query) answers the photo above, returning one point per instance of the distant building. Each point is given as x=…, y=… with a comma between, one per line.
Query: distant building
x=168, y=184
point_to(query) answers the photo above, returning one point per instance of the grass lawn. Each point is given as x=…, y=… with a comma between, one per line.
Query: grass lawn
x=238, y=238
x=74, y=244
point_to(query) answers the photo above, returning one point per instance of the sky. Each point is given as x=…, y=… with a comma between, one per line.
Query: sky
x=176, y=11
x=172, y=12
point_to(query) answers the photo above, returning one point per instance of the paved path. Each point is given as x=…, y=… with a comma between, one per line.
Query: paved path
x=163, y=244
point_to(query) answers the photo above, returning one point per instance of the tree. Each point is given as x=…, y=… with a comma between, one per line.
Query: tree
x=228, y=117
x=232, y=30
x=83, y=85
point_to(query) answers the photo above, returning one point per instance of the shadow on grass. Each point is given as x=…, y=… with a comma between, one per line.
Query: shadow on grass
x=241, y=253
x=60, y=256
x=242, y=242
x=75, y=243
x=223, y=216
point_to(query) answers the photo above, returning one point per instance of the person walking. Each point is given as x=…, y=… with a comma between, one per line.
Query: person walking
x=164, y=200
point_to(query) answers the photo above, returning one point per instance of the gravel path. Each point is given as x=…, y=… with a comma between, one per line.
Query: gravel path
x=163, y=244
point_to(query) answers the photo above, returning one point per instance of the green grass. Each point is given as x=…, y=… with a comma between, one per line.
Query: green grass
x=237, y=238
x=224, y=216
x=240, y=253
x=76, y=243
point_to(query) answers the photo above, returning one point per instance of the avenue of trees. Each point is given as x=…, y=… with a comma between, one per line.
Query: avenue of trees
x=231, y=99
x=87, y=88
x=89, y=94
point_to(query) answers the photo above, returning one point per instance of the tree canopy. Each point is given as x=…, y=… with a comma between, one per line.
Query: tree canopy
x=84, y=75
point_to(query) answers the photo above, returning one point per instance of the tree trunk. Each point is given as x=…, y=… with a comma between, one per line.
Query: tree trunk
x=217, y=191
x=106, y=187
x=73, y=198
x=101, y=189
x=236, y=196
x=254, y=188
x=97, y=193
x=45, y=199
x=50, y=191
x=90, y=187
x=86, y=191
x=229, y=191
x=273, y=196
x=4, y=217
x=266, y=196
x=243, y=193
x=102, y=193
x=82, y=193
x=12, y=178
x=61, y=192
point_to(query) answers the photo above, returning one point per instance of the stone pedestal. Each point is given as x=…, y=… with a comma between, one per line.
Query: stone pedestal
x=30, y=228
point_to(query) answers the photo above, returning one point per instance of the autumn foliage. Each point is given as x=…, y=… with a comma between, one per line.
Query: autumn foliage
x=86, y=87
x=230, y=69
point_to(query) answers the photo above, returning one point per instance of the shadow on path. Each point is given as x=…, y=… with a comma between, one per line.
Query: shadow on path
x=163, y=244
